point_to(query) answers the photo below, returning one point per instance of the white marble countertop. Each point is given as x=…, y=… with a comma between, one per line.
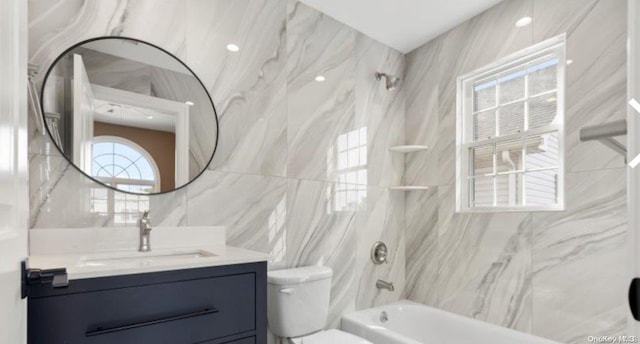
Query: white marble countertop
x=127, y=262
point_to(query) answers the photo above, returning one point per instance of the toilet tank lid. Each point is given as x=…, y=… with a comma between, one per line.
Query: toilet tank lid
x=299, y=275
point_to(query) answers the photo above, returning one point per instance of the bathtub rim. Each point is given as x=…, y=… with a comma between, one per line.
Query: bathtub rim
x=358, y=318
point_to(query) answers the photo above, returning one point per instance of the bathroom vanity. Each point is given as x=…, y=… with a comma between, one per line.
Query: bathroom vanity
x=224, y=304
x=169, y=295
x=135, y=119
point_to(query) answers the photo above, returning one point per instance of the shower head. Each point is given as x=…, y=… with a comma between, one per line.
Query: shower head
x=391, y=82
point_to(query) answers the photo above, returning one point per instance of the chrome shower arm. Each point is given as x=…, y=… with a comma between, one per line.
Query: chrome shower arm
x=605, y=133
x=600, y=131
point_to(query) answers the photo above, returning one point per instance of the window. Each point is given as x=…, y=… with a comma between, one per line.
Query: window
x=510, y=132
x=349, y=161
x=278, y=232
x=126, y=166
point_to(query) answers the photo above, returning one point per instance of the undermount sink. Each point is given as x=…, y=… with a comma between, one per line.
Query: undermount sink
x=142, y=258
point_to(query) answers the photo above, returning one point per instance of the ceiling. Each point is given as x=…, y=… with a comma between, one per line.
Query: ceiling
x=138, y=52
x=402, y=24
x=131, y=116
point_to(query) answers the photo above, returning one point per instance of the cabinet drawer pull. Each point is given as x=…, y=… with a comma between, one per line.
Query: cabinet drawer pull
x=100, y=330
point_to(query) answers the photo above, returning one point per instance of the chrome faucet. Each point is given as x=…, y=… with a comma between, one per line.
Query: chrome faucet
x=380, y=284
x=145, y=232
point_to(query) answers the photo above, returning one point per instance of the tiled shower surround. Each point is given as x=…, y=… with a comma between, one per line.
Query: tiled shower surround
x=560, y=275
x=275, y=184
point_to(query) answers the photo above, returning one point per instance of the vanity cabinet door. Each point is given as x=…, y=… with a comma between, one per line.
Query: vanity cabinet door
x=186, y=312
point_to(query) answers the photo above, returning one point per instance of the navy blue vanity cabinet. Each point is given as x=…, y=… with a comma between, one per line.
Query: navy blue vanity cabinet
x=213, y=305
x=248, y=340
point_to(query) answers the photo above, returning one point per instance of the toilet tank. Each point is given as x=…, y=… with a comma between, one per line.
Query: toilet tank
x=298, y=300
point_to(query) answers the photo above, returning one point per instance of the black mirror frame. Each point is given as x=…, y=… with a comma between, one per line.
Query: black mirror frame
x=66, y=51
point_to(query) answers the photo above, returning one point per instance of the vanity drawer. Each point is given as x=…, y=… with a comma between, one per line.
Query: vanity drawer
x=186, y=312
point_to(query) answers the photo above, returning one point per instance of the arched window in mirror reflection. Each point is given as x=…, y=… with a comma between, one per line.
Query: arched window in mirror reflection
x=126, y=166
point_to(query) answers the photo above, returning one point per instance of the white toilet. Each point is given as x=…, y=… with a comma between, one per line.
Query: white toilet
x=298, y=304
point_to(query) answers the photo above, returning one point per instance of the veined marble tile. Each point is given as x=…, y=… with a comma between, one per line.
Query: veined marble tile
x=40, y=142
x=170, y=209
x=253, y=208
x=318, y=233
x=249, y=87
x=596, y=80
x=45, y=173
x=379, y=110
x=320, y=115
x=55, y=26
x=380, y=218
x=61, y=197
x=469, y=46
x=484, y=260
x=580, y=259
x=421, y=209
x=422, y=114
x=484, y=264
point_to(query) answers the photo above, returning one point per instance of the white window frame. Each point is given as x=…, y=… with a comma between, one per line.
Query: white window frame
x=555, y=46
x=114, y=182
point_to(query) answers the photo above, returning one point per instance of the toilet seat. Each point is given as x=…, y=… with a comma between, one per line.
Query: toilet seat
x=330, y=337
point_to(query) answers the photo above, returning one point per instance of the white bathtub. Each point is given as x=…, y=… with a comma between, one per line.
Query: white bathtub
x=413, y=323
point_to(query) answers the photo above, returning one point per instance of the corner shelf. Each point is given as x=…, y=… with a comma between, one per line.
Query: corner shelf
x=408, y=148
x=408, y=188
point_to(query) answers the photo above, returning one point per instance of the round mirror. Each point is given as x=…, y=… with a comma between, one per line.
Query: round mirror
x=129, y=115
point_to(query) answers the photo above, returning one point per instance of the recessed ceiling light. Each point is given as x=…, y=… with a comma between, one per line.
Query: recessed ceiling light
x=634, y=104
x=233, y=48
x=190, y=103
x=320, y=78
x=569, y=61
x=149, y=117
x=524, y=21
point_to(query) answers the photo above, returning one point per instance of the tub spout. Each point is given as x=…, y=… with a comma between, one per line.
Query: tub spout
x=380, y=284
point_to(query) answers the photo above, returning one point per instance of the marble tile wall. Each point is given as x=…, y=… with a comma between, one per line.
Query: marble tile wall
x=528, y=271
x=276, y=182
x=279, y=187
